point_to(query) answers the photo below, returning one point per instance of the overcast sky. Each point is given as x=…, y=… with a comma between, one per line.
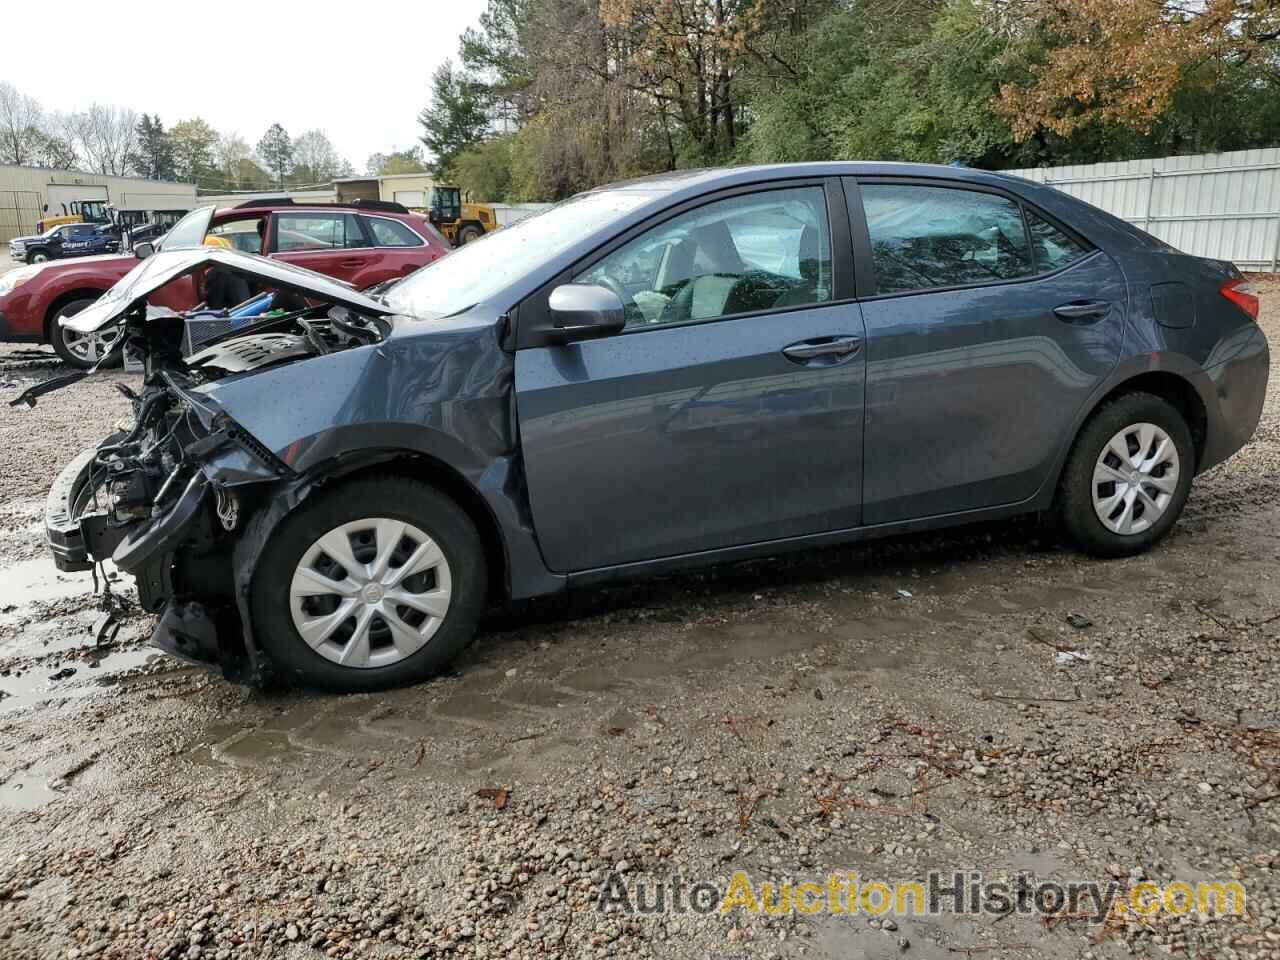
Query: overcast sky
x=359, y=71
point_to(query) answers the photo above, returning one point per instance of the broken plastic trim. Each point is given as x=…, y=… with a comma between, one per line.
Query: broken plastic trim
x=29, y=395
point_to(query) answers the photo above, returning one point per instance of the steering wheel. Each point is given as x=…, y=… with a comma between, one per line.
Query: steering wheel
x=629, y=307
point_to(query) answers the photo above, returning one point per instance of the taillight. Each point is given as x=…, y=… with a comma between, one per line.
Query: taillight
x=1243, y=294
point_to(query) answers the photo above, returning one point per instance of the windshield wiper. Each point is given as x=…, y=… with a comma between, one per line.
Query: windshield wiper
x=456, y=313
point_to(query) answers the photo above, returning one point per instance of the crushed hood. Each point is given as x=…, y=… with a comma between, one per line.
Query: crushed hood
x=167, y=265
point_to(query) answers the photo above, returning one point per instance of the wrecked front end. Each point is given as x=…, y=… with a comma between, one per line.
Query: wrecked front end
x=164, y=498
x=167, y=497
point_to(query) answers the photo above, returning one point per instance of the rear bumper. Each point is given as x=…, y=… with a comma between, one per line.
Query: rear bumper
x=1240, y=389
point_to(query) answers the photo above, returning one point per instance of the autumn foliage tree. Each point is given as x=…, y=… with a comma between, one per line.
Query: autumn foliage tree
x=574, y=93
x=1123, y=61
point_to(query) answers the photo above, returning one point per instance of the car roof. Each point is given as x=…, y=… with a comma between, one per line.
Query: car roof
x=1098, y=226
x=243, y=210
x=705, y=178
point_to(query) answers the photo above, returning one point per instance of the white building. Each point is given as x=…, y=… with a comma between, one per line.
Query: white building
x=25, y=192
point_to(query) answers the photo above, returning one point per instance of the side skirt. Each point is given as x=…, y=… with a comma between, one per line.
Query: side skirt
x=705, y=558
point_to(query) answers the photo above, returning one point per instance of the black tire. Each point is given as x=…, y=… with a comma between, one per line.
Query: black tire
x=1075, y=493
x=38, y=256
x=57, y=336
x=469, y=233
x=416, y=503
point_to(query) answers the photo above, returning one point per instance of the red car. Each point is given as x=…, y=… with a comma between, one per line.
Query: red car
x=364, y=243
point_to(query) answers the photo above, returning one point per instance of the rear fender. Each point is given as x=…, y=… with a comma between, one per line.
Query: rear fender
x=1127, y=370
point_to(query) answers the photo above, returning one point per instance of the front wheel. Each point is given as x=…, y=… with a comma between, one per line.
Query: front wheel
x=37, y=256
x=82, y=350
x=1128, y=476
x=371, y=584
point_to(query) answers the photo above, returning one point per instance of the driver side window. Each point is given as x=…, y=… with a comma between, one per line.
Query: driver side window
x=761, y=251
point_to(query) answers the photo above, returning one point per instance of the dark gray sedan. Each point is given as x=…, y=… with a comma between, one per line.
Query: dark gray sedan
x=680, y=370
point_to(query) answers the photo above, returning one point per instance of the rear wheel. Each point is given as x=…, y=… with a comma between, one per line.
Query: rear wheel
x=468, y=233
x=1128, y=476
x=82, y=350
x=373, y=584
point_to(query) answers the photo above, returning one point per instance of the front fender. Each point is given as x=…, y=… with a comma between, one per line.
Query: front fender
x=439, y=393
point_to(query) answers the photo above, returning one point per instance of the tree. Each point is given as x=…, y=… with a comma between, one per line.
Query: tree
x=876, y=83
x=153, y=154
x=498, y=54
x=193, y=141
x=455, y=119
x=105, y=136
x=579, y=92
x=315, y=158
x=248, y=175
x=276, y=150
x=54, y=152
x=20, y=118
x=229, y=153
x=1100, y=62
x=398, y=161
x=484, y=170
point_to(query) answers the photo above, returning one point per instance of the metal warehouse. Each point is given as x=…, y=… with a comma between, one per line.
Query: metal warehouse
x=26, y=191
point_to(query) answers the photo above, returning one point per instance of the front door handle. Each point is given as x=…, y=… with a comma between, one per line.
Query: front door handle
x=1082, y=311
x=822, y=347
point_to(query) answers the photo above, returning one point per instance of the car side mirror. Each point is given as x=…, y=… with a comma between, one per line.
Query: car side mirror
x=581, y=311
x=144, y=249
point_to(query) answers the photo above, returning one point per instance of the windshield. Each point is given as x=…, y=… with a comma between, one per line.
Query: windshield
x=477, y=271
x=189, y=231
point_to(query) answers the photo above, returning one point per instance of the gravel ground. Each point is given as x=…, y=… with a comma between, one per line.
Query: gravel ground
x=890, y=710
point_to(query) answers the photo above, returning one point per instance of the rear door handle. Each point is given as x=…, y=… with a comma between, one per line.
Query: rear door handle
x=1085, y=311
x=822, y=347
x=353, y=262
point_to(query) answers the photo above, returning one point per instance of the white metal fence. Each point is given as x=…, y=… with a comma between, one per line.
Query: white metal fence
x=1221, y=205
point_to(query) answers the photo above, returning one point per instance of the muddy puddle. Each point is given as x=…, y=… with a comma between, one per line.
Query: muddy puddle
x=26, y=791
x=47, y=636
x=38, y=581
x=97, y=673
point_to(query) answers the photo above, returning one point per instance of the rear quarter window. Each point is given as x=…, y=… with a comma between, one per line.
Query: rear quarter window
x=1052, y=247
x=391, y=233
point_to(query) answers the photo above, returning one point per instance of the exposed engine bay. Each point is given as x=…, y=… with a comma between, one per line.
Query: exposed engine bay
x=137, y=475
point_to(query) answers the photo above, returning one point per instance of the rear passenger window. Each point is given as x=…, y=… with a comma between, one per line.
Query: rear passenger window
x=317, y=231
x=392, y=233
x=1052, y=248
x=928, y=237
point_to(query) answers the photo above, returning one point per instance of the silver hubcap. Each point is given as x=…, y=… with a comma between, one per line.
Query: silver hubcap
x=370, y=593
x=89, y=347
x=1135, y=478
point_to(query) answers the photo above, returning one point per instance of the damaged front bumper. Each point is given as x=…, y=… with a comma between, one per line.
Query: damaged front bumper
x=181, y=555
x=81, y=542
